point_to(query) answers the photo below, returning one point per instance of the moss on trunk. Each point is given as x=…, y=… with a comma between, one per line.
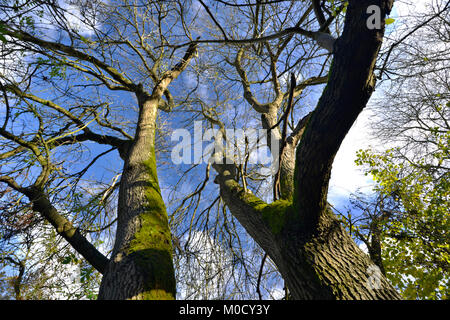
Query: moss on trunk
x=141, y=266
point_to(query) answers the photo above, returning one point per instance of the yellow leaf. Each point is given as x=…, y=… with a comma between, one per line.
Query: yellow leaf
x=389, y=20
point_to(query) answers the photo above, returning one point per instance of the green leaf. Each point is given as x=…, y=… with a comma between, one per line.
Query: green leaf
x=389, y=21
x=85, y=40
x=66, y=260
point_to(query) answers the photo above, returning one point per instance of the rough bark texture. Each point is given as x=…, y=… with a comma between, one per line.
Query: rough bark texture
x=325, y=265
x=351, y=83
x=329, y=265
x=141, y=264
x=314, y=254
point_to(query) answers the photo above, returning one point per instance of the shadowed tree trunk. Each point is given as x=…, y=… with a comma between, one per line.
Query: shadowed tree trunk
x=314, y=254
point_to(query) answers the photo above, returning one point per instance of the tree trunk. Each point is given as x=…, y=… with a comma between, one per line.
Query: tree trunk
x=313, y=252
x=284, y=156
x=141, y=265
x=329, y=265
x=325, y=264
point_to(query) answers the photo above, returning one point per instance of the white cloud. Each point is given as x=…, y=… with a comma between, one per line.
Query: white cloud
x=405, y=8
x=346, y=176
x=77, y=21
x=277, y=293
x=363, y=247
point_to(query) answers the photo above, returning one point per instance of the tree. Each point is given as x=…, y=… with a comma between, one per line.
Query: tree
x=298, y=231
x=141, y=263
x=406, y=227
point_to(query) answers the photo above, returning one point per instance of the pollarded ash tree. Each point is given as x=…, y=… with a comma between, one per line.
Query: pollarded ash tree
x=71, y=75
x=313, y=253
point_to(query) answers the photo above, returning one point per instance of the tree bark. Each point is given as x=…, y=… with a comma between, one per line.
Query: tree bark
x=141, y=264
x=314, y=254
x=325, y=265
x=329, y=265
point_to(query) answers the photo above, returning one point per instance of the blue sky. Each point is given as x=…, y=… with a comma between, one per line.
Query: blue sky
x=346, y=176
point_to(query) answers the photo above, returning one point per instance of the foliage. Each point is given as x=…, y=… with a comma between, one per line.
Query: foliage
x=416, y=252
x=412, y=187
x=72, y=78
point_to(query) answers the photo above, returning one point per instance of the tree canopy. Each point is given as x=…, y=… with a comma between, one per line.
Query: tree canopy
x=97, y=95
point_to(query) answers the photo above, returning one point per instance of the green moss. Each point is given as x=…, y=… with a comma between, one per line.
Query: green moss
x=253, y=200
x=287, y=187
x=155, y=294
x=151, y=247
x=157, y=268
x=275, y=214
